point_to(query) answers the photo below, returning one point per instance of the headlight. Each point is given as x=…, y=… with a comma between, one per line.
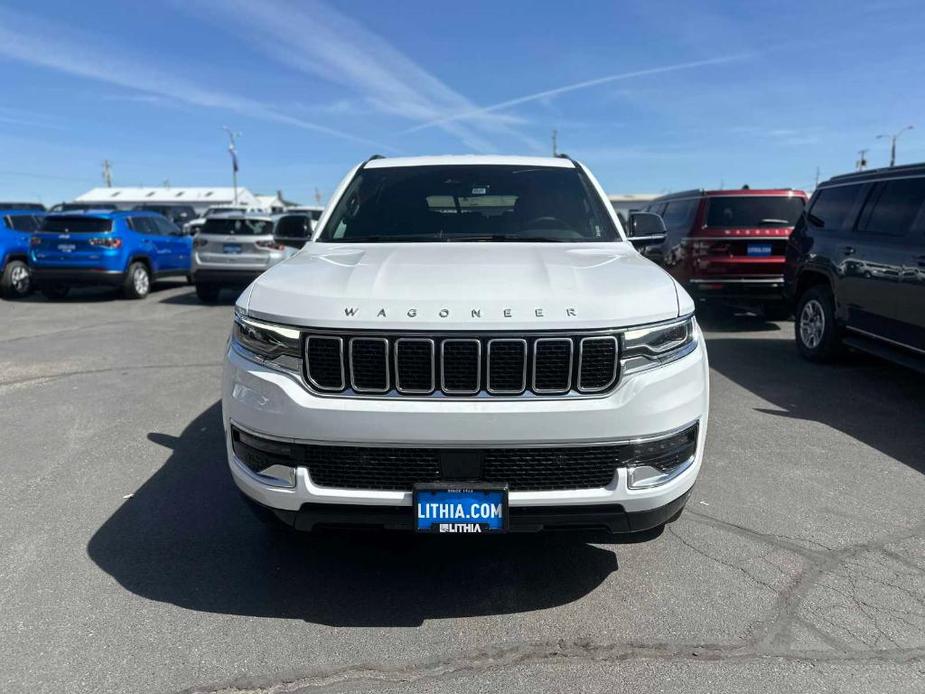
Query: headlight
x=277, y=345
x=649, y=346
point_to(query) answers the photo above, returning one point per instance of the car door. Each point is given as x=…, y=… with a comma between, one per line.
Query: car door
x=882, y=247
x=156, y=245
x=178, y=244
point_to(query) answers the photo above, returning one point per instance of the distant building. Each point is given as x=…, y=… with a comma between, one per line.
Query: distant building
x=198, y=198
x=630, y=202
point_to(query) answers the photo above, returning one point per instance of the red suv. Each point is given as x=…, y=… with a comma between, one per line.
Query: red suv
x=729, y=245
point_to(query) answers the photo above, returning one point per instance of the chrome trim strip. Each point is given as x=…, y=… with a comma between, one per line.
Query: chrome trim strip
x=353, y=384
x=885, y=339
x=433, y=377
x=340, y=351
x=616, y=363
x=571, y=358
x=389, y=443
x=478, y=366
x=523, y=378
x=742, y=280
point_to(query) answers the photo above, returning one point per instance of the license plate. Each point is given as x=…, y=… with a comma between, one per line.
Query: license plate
x=468, y=508
x=66, y=247
x=759, y=249
x=232, y=248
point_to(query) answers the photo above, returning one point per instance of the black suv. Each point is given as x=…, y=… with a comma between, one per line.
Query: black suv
x=856, y=266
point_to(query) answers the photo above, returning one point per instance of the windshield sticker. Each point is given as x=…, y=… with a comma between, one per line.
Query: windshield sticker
x=479, y=191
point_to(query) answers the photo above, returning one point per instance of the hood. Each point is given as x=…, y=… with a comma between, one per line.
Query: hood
x=464, y=286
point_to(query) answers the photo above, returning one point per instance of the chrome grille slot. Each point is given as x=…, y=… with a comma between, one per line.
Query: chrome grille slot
x=414, y=365
x=461, y=366
x=597, y=363
x=552, y=364
x=324, y=362
x=369, y=364
x=507, y=366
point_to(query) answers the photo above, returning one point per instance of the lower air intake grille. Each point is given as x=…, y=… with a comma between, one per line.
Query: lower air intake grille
x=522, y=469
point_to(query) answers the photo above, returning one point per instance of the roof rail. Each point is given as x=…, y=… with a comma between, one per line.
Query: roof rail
x=876, y=173
x=681, y=194
x=372, y=158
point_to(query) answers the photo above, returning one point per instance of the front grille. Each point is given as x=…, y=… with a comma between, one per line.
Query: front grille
x=453, y=365
x=521, y=469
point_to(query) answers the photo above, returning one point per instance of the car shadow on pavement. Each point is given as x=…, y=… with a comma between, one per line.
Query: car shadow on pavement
x=187, y=538
x=726, y=319
x=875, y=402
x=227, y=298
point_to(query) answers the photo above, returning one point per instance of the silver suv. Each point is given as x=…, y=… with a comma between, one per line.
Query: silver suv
x=232, y=250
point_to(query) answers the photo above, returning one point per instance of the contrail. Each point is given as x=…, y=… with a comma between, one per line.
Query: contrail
x=578, y=85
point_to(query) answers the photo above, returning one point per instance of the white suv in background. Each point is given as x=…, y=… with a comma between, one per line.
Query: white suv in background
x=231, y=250
x=468, y=344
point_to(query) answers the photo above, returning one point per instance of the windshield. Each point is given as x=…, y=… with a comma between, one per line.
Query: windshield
x=76, y=224
x=754, y=211
x=469, y=203
x=238, y=227
x=23, y=222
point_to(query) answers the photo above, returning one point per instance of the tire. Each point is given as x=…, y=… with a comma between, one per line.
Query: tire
x=816, y=330
x=55, y=291
x=137, y=282
x=777, y=311
x=16, y=280
x=208, y=293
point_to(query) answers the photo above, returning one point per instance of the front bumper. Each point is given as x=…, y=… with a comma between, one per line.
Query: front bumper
x=649, y=403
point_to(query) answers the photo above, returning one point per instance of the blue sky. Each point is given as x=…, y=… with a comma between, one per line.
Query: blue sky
x=653, y=96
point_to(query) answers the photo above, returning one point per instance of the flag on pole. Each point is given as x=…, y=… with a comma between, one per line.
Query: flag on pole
x=234, y=158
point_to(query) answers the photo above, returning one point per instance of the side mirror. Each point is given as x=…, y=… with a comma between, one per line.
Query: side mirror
x=646, y=229
x=294, y=231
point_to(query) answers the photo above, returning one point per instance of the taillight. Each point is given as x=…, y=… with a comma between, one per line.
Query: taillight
x=199, y=243
x=107, y=242
x=270, y=245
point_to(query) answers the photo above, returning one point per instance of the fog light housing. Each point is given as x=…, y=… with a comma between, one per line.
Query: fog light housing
x=653, y=463
x=273, y=461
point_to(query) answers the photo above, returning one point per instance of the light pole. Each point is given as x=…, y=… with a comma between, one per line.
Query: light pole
x=233, y=151
x=893, y=139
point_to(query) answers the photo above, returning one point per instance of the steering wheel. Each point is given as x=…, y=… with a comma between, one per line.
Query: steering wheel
x=548, y=222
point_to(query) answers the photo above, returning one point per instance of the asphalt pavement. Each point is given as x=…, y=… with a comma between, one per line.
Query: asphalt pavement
x=129, y=564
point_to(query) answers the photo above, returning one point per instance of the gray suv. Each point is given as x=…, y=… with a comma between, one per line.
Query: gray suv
x=232, y=250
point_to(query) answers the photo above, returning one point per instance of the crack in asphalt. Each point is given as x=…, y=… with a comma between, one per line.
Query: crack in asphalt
x=769, y=638
x=45, y=378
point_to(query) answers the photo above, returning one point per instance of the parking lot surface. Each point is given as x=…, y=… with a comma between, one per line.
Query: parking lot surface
x=128, y=562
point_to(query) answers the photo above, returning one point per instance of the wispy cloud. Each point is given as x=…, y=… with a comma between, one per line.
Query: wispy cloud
x=483, y=111
x=26, y=39
x=316, y=39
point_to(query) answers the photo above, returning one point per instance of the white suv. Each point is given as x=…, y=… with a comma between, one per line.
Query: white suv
x=468, y=344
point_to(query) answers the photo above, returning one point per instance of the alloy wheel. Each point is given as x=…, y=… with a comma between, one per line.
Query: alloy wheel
x=812, y=324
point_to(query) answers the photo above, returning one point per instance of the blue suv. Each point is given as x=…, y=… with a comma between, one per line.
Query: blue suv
x=16, y=226
x=129, y=250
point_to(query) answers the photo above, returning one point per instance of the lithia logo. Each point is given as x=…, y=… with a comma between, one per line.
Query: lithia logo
x=540, y=312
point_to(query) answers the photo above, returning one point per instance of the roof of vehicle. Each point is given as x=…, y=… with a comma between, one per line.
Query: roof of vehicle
x=469, y=159
x=20, y=205
x=104, y=214
x=21, y=210
x=242, y=214
x=731, y=192
x=878, y=174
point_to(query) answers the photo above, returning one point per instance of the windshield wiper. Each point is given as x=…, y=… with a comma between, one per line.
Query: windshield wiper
x=505, y=237
x=773, y=221
x=387, y=238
